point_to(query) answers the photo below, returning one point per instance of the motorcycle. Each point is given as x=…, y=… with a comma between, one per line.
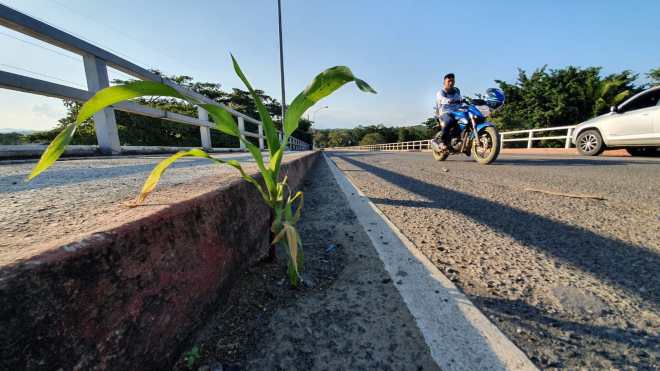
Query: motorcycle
x=473, y=135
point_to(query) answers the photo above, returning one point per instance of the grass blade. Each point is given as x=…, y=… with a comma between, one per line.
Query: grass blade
x=269, y=127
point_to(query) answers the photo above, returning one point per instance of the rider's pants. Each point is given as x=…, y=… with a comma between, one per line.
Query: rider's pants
x=447, y=122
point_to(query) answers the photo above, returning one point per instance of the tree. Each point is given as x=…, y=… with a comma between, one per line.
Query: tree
x=566, y=96
x=654, y=75
x=321, y=138
x=372, y=138
x=339, y=138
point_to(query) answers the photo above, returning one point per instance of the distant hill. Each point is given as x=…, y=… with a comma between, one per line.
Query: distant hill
x=19, y=131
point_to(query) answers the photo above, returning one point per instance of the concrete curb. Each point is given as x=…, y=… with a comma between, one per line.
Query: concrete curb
x=459, y=336
x=126, y=298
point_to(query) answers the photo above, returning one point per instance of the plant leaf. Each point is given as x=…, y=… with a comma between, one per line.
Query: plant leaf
x=267, y=174
x=269, y=127
x=296, y=216
x=276, y=160
x=222, y=119
x=157, y=172
x=102, y=99
x=115, y=94
x=54, y=150
x=235, y=164
x=323, y=85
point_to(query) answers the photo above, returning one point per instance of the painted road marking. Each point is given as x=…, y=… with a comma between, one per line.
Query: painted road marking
x=459, y=336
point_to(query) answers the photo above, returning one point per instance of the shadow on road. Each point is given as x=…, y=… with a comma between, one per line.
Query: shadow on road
x=517, y=314
x=615, y=262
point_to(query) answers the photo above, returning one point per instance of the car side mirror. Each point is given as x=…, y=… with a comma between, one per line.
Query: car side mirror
x=613, y=109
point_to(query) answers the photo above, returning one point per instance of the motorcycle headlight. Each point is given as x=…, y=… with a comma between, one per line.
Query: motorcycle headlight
x=485, y=110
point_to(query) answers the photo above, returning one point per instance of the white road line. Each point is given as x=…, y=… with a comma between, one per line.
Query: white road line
x=459, y=336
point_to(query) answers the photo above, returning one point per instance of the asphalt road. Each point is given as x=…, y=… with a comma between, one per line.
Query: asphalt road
x=573, y=281
x=78, y=195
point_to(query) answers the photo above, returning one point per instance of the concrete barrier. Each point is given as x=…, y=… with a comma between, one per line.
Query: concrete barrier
x=128, y=297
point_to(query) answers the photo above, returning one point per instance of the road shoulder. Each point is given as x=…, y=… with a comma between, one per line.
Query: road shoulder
x=458, y=334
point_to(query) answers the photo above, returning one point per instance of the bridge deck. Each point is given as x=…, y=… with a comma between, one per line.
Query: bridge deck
x=572, y=281
x=77, y=196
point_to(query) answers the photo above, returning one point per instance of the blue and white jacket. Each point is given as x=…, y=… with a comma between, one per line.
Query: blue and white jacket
x=448, y=101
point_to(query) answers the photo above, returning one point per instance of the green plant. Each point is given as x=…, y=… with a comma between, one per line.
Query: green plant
x=192, y=356
x=275, y=194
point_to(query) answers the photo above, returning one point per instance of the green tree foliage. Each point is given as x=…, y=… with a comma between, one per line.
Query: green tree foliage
x=654, y=75
x=567, y=96
x=372, y=138
x=339, y=138
x=11, y=139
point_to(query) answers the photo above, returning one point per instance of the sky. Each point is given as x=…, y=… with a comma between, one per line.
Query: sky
x=402, y=48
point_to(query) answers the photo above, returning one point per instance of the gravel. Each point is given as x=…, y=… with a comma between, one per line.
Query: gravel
x=572, y=281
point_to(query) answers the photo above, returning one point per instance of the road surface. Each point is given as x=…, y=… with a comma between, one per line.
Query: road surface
x=573, y=281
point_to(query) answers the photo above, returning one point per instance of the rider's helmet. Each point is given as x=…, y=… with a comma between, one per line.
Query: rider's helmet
x=494, y=98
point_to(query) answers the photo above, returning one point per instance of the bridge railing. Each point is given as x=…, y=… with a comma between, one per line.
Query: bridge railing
x=420, y=145
x=96, y=61
x=531, y=138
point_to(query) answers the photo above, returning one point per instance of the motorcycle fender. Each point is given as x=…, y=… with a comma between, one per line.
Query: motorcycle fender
x=482, y=126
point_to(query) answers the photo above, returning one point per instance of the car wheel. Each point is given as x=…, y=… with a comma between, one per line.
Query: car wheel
x=643, y=151
x=590, y=143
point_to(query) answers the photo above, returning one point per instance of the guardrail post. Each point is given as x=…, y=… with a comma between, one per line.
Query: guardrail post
x=105, y=123
x=261, y=136
x=204, y=131
x=241, y=129
x=529, y=140
x=501, y=141
x=569, y=133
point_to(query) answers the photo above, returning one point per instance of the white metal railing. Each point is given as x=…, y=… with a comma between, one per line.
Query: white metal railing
x=96, y=61
x=531, y=138
x=420, y=145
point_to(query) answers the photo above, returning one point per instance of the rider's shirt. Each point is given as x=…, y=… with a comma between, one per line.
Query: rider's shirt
x=448, y=101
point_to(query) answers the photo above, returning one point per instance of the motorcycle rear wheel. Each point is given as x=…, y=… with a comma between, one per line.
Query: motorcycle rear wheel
x=488, y=148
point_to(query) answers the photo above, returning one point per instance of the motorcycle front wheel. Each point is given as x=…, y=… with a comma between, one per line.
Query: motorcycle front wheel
x=486, y=147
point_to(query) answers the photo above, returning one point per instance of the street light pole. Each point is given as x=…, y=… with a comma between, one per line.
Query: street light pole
x=314, y=113
x=279, y=15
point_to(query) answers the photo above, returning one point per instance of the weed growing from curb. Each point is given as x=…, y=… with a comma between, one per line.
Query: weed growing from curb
x=276, y=193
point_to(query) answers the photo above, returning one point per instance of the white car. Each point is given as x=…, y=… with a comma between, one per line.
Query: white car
x=633, y=125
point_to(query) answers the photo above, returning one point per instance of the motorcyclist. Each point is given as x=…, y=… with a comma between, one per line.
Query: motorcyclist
x=448, y=99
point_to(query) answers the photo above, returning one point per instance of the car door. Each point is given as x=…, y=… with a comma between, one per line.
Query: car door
x=633, y=124
x=656, y=124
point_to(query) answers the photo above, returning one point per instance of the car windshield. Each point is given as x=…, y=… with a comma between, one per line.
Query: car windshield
x=648, y=99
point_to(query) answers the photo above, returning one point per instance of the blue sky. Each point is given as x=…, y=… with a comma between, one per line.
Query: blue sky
x=402, y=48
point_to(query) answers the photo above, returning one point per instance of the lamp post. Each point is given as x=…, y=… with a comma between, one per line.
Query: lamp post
x=314, y=113
x=279, y=18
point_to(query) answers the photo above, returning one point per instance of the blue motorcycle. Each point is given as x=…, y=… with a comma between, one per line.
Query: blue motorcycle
x=473, y=135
